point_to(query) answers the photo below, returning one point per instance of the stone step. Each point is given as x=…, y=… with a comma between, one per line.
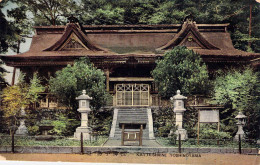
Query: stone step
x=119, y=135
x=144, y=115
x=133, y=119
x=144, y=130
x=131, y=115
x=132, y=111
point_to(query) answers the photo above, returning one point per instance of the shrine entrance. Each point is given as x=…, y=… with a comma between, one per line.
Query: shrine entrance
x=132, y=94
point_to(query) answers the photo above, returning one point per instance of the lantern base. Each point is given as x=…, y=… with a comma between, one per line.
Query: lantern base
x=242, y=136
x=86, y=133
x=183, y=134
x=22, y=129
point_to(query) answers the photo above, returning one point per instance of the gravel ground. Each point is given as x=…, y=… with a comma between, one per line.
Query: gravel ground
x=158, y=158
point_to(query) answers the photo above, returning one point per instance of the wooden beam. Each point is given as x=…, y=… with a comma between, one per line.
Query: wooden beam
x=122, y=134
x=107, y=79
x=130, y=79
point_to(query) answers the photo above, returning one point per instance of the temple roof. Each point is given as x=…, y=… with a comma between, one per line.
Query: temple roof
x=121, y=41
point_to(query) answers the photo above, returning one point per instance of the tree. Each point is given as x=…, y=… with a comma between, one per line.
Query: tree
x=71, y=80
x=48, y=12
x=69, y=83
x=21, y=95
x=238, y=90
x=22, y=26
x=181, y=69
x=6, y=31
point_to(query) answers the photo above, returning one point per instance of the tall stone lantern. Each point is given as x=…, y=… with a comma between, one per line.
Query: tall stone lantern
x=241, y=121
x=178, y=104
x=22, y=129
x=84, y=110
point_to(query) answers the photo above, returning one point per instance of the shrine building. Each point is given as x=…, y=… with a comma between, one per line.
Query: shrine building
x=127, y=55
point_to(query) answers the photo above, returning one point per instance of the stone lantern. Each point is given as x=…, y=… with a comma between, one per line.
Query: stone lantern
x=22, y=129
x=241, y=121
x=84, y=110
x=178, y=104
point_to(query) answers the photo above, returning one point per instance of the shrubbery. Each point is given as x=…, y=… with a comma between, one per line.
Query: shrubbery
x=163, y=121
x=238, y=90
x=181, y=69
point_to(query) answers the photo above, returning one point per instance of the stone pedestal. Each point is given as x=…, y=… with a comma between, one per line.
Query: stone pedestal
x=86, y=133
x=83, y=127
x=183, y=133
x=240, y=132
x=180, y=130
x=22, y=129
x=84, y=110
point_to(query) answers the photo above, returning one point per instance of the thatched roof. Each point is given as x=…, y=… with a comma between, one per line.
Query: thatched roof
x=50, y=43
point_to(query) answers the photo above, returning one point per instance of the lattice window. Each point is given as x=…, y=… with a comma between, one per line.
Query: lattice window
x=132, y=94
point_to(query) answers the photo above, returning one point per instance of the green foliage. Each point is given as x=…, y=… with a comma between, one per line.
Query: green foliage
x=209, y=131
x=12, y=101
x=69, y=83
x=18, y=96
x=100, y=121
x=64, y=126
x=48, y=12
x=190, y=143
x=6, y=30
x=237, y=90
x=33, y=130
x=109, y=15
x=190, y=121
x=71, y=80
x=22, y=26
x=163, y=120
x=181, y=69
x=59, y=141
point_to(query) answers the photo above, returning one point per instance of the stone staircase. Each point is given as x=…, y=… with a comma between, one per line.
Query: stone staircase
x=132, y=115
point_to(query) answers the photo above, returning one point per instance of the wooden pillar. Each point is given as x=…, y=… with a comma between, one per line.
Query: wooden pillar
x=141, y=135
x=13, y=78
x=107, y=79
x=198, y=132
x=122, y=135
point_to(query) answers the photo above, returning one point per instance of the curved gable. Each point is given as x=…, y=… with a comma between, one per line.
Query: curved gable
x=73, y=39
x=190, y=37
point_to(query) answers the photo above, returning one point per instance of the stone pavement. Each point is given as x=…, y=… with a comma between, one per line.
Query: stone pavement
x=146, y=143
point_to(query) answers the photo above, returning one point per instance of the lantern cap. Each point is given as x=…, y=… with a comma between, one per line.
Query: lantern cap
x=84, y=96
x=240, y=116
x=178, y=96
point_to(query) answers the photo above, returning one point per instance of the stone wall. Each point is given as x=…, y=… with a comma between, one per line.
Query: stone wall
x=126, y=149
